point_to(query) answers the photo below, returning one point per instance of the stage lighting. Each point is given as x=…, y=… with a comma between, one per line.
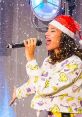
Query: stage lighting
x=45, y=10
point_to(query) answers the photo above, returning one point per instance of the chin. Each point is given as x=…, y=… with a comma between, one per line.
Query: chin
x=49, y=48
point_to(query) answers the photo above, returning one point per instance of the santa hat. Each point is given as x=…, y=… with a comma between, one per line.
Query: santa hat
x=67, y=25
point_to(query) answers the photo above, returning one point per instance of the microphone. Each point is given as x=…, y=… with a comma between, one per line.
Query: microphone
x=20, y=45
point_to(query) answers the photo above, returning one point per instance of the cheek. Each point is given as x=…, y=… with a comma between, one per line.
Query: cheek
x=56, y=41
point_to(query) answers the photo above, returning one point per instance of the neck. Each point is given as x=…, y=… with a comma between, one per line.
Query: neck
x=57, y=51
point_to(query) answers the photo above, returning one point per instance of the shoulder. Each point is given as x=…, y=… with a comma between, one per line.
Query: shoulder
x=71, y=62
x=74, y=58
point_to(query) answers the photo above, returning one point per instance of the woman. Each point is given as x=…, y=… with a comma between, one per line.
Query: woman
x=57, y=84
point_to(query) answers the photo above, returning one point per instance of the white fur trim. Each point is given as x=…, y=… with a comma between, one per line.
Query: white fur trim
x=62, y=28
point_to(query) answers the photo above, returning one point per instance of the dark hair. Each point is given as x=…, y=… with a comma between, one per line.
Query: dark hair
x=68, y=47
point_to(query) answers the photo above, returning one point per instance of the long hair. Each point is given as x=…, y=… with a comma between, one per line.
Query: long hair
x=68, y=47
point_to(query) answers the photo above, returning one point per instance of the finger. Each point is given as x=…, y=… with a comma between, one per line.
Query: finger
x=35, y=41
x=14, y=96
x=10, y=104
x=12, y=101
x=32, y=41
x=25, y=43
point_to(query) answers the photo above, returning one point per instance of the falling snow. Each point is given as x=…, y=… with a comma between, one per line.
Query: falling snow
x=16, y=26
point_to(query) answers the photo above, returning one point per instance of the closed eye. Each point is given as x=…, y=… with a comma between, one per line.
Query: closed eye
x=53, y=31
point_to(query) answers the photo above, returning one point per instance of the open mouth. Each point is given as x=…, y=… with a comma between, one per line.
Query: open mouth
x=48, y=41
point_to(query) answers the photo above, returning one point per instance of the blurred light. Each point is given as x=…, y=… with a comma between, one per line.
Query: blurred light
x=45, y=10
x=5, y=109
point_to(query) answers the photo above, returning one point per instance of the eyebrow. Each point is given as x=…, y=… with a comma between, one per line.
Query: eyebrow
x=51, y=28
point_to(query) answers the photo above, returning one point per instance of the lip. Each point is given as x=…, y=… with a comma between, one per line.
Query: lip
x=48, y=41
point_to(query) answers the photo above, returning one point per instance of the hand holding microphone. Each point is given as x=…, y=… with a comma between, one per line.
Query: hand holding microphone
x=29, y=44
x=20, y=45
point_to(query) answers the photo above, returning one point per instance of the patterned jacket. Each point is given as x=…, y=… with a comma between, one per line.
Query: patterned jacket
x=57, y=88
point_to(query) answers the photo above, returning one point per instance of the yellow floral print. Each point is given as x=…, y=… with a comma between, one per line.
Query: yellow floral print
x=63, y=77
x=54, y=88
x=63, y=96
x=69, y=99
x=47, y=83
x=80, y=98
x=37, y=97
x=33, y=67
x=70, y=109
x=72, y=66
x=36, y=78
x=54, y=109
x=79, y=110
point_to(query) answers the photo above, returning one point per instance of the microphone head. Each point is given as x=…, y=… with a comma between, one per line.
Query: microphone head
x=9, y=46
x=38, y=43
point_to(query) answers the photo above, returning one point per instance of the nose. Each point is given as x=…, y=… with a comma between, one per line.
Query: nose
x=46, y=34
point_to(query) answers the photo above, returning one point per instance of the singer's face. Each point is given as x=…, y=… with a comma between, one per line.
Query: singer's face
x=53, y=37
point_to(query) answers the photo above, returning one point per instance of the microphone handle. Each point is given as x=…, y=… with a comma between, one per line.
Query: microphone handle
x=19, y=45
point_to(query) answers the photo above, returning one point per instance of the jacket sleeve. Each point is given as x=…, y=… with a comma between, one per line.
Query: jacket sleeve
x=63, y=74
x=29, y=87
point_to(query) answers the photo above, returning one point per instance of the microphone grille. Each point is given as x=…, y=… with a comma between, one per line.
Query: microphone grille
x=39, y=42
